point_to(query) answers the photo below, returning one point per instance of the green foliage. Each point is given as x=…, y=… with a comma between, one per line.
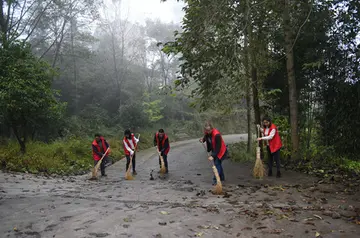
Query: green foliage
x=238, y=152
x=27, y=101
x=63, y=157
x=153, y=109
x=59, y=157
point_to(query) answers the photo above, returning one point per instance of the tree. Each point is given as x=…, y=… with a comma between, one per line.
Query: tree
x=26, y=98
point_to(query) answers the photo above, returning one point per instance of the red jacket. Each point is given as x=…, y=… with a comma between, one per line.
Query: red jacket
x=275, y=143
x=165, y=137
x=96, y=148
x=222, y=150
x=125, y=140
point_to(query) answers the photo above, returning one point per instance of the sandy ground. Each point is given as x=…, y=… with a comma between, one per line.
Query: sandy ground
x=179, y=205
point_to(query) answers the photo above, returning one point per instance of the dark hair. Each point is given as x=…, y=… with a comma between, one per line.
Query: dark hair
x=267, y=119
x=161, y=131
x=97, y=135
x=127, y=132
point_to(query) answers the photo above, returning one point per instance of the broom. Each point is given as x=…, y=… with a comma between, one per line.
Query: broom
x=128, y=175
x=218, y=187
x=259, y=169
x=97, y=166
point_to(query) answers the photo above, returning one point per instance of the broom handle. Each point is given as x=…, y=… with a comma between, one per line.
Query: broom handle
x=96, y=168
x=216, y=172
x=258, y=135
x=104, y=155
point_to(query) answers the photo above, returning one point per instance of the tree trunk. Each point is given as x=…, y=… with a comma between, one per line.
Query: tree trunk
x=256, y=104
x=291, y=80
x=19, y=139
x=72, y=36
x=248, y=79
x=58, y=44
x=248, y=113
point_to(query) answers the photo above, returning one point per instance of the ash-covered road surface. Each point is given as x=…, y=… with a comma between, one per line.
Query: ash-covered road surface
x=180, y=205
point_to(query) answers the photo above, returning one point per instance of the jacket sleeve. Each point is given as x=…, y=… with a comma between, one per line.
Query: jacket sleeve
x=270, y=136
x=155, y=142
x=96, y=151
x=166, y=145
x=208, y=145
x=216, y=151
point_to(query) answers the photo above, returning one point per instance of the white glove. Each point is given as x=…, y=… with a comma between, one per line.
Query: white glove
x=131, y=152
x=136, y=140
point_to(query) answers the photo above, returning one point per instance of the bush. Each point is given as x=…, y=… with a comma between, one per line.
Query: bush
x=238, y=153
x=63, y=157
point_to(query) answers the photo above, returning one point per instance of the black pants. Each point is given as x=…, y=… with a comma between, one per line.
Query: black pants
x=102, y=165
x=128, y=162
x=165, y=162
x=274, y=156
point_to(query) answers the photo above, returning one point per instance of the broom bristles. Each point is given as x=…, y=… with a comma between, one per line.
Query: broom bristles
x=162, y=169
x=128, y=175
x=218, y=189
x=259, y=170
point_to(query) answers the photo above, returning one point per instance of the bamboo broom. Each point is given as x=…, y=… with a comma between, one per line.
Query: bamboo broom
x=218, y=187
x=259, y=169
x=97, y=166
x=162, y=169
x=128, y=175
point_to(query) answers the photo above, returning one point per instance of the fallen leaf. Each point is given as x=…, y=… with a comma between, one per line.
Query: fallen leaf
x=127, y=219
x=310, y=223
x=317, y=216
x=203, y=227
x=261, y=227
x=15, y=228
x=276, y=231
x=199, y=234
x=293, y=220
x=247, y=228
x=164, y=213
x=317, y=234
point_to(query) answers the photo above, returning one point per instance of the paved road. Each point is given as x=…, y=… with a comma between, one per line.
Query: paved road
x=177, y=206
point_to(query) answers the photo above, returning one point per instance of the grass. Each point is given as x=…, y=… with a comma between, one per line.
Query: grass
x=61, y=157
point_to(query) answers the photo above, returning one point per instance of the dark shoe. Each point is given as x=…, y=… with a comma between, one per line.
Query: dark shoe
x=134, y=173
x=278, y=174
x=270, y=173
x=104, y=175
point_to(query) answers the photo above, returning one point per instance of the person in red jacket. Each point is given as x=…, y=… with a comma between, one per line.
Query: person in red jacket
x=274, y=144
x=216, y=145
x=130, y=141
x=161, y=141
x=99, y=146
